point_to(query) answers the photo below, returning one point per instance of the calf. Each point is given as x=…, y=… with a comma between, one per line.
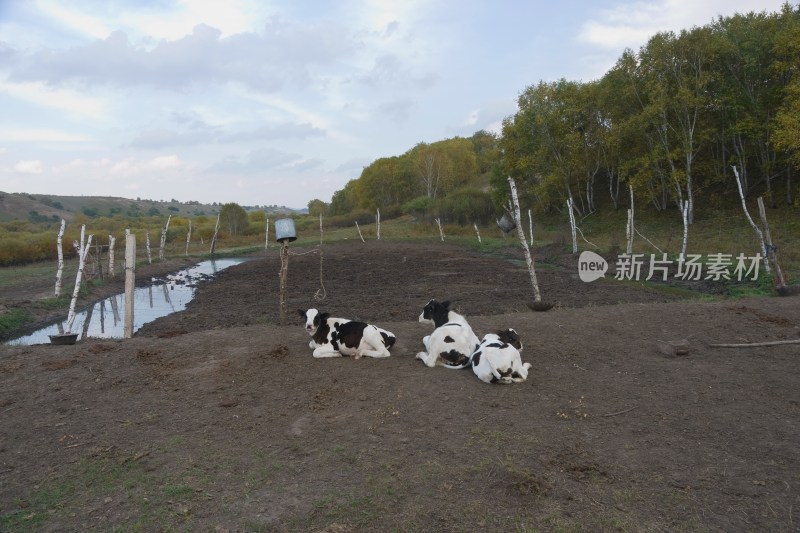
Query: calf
x=335, y=337
x=452, y=341
x=497, y=358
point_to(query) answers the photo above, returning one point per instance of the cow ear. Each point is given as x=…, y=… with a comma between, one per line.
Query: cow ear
x=301, y=313
x=446, y=304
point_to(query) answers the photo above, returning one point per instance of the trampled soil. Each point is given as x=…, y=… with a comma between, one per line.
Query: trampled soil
x=218, y=418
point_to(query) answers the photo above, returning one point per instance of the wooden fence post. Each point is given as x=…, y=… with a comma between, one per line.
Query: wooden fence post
x=284, y=278
x=130, y=283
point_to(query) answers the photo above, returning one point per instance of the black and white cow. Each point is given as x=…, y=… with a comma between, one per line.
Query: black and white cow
x=452, y=341
x=336, y=337
x=497, y=358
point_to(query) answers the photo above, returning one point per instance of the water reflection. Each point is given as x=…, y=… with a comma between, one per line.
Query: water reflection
x=106, y=318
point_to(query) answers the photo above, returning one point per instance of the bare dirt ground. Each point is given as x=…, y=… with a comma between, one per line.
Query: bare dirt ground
x=218, y=419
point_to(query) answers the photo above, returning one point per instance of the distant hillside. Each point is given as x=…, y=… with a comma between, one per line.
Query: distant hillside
x=41, y=207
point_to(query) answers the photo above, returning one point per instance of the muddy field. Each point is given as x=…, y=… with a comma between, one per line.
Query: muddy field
x=218, y=418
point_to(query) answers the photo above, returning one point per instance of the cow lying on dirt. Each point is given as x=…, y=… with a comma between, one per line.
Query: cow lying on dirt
x=452, y=342
x=497, y=358
x=336, y=337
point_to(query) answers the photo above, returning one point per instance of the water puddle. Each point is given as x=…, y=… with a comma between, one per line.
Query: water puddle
x=106, y=318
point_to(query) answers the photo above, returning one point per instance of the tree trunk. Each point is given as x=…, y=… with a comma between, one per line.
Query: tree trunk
x=759, y=234
x=112, y=241
x=84, y=251
x=188, y=238
x=214, y=238
x=528, y=259
x=572, y=226
x=163, y=239
x=60, y=271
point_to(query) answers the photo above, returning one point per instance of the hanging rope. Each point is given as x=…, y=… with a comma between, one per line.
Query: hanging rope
x=321, y=293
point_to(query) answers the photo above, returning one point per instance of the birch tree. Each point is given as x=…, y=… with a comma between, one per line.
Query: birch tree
x=59, y=248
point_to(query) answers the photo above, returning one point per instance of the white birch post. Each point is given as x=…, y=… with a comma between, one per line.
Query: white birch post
x=530, y=225
x=629, y=248
x=441, y=233
x=571, y=226
x=188, y=238
x=163, y=239
x=685, y=215
x=774, y=254
x=378, y=223
x=478, y=233
x=359, y=232
x=59, y=247
x=628, y=232
x=528, y=259
x=214, y=238
x=147, y=245
x=759, y=234
x=84, y=251
x=130, y=283
x=112, y=241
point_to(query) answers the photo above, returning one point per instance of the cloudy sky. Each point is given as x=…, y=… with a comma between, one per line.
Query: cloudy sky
x=265, y=102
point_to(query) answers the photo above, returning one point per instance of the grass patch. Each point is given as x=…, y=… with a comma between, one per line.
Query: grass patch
x=13, y=320
x=94, y=484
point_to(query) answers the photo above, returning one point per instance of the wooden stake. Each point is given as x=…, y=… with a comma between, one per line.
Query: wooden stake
x=163, y=239
x=528, y=259
x=478, y=233
x=147, y=245
x=772, y=251
x=214, y=238
x=359, y=232
x=768, y=343
x=750, y=219
x=685, y=214
x=284, y=278
x=188, y=238
x=266, y=240
x=60, y=271
x=130, y=283
x=571, y=226
x=629, y=248
x=378, y=223
x=112, y=241
x=530, y=226
x=84, y=251
x=441, y=233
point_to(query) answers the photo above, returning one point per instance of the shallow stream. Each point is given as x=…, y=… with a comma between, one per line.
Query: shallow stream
x=106, y=318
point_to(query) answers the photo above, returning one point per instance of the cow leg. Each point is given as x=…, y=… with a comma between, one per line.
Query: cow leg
x=427, y=358
x=372, y=344
x=324, y=351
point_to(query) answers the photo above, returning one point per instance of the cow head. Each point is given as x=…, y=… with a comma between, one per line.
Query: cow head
x=435, y=312
x=312, y=318
x=510, y=336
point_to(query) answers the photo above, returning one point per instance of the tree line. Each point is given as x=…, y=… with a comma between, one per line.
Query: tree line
x=666, y=124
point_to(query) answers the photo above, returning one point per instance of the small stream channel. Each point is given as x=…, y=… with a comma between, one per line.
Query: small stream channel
x=163, y=296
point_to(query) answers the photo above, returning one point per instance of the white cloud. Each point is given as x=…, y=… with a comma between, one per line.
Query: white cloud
x=29, y=167
x=69, y=101
x=631, y=24
x=22, y=134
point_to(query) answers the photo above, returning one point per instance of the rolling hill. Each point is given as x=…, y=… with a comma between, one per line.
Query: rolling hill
x=41, y=207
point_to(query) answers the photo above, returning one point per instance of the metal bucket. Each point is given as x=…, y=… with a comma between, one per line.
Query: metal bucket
x=506, y=223
x=284, y=230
